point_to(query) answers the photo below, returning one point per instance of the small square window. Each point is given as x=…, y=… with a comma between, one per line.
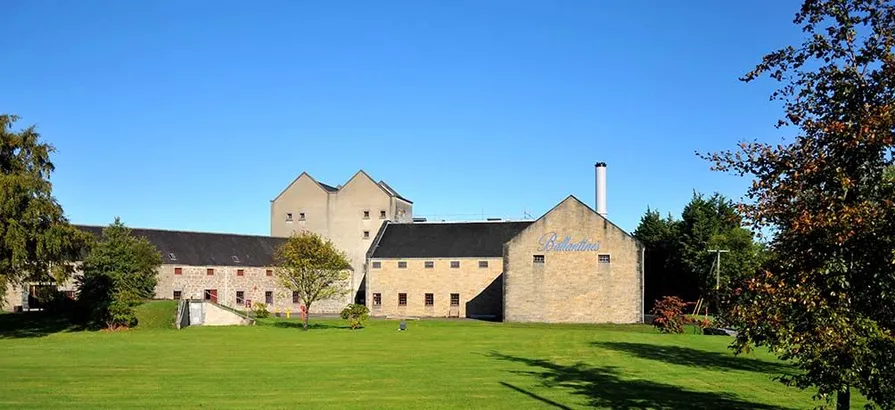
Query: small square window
x=430, y=299
x=177, y=294
x=381, y=214
x=268, y=272
x=295, y=297
x=402, y=299
x=377, y=299
x=289, y=217
x=178, y=271
x=603, y=258
x=301, y=216
x=240, y=298
x=240, y=272
x=483, y=264
x=455, y=299
x=377, y=265
x=402, y=265
x=209, y=271
x=455, y=264
x=366, y=214
x=539, y=259
x=268, y=297
x=366, y=234
x=429, y=264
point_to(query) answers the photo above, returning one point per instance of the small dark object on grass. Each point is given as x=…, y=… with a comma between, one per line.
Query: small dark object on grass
x=402, y=326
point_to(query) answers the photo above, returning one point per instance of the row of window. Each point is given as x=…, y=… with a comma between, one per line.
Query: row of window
x=210, y=272
x=212, y=295
x=428, y=264
x=428, y=299
x=541, y=259
x=302, y=217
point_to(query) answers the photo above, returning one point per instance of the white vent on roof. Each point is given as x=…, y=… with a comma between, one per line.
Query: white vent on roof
x=235, y=259
x=172, y=256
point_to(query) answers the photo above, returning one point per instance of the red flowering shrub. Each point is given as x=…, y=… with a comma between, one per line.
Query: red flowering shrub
x=670, y=316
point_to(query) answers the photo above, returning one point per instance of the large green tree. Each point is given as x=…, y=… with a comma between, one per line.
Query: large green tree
x=36, y=241
x=314, y=267
x=120, y=271
x=663, y=272
x=827, y=198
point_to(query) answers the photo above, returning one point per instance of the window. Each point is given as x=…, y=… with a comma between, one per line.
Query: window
x=377, y=265
x=269, y=272
x=381, y=214
x=377, y=299
x=268, y=297
x=209, y=271
x=240, y=272
x=178, y=271
x=289, y=217
x=366, y=214
x=240, y=298
x=366, y=234
x=402, y=299
x=176, y=294
x=301, y=216
x=429, y=264
x=483, y=264
x=295, y=297
x=455, y=299
x=402, y=265
x=212, y=295
x=430, y=299
x=539, y=259
x=603, y=258
x=455, y=264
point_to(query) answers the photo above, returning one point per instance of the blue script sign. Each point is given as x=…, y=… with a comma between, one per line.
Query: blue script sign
x=550, y=242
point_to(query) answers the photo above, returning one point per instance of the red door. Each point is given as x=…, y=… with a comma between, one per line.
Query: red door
x=212, y=295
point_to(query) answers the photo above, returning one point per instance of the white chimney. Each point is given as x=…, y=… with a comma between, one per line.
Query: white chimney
x=601, y=188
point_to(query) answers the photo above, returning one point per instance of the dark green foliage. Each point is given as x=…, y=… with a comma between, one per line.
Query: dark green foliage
x=119, y=272
x=663, y=272
x=356, y=315
x=260, y=310
x=36, y=241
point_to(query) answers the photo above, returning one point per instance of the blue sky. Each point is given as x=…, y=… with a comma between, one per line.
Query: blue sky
x=193, y=115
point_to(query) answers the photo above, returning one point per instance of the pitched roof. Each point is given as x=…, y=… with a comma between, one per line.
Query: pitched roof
x=206, y=248
x=446, y=240
x=393, y=192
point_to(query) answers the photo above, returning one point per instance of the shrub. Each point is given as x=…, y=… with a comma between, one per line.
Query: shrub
x=260, y=310
x=670, y=316
x=356, y=315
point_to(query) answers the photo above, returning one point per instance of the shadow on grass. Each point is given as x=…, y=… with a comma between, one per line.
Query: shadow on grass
x=33, y=324
x=604, y=388
x=536, y=397
x=312, y=326
x=686, y=356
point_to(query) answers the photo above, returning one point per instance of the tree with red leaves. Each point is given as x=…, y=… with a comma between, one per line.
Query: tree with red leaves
x=826, y=200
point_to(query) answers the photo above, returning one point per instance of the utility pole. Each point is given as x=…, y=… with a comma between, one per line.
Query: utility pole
x=718, y=253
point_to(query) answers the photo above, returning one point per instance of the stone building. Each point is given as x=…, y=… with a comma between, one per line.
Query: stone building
x=570, y=265
x=349, y=215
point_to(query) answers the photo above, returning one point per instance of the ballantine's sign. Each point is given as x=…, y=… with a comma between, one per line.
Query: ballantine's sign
x=550, y=242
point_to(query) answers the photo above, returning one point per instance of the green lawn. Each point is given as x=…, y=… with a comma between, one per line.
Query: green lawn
x=435, y=364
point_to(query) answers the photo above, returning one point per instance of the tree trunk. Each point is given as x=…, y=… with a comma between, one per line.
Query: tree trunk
x=307, y=316
x=843, y=399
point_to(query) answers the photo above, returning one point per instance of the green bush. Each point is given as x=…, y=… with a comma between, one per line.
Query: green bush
x=260, y=310
x=356, y=315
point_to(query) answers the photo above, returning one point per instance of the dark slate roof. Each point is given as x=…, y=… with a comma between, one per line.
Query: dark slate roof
x=446, y=240
x=205, y=248
x=328, y=187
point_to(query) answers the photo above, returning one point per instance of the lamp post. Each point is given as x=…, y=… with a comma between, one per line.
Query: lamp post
x=718, y=253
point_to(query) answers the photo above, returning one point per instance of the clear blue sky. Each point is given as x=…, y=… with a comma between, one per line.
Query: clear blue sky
x=193, y=115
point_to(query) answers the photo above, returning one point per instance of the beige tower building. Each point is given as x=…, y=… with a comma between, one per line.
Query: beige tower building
x=350, y=215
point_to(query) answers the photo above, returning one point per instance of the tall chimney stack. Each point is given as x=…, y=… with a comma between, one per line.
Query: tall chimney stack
x=600, y=202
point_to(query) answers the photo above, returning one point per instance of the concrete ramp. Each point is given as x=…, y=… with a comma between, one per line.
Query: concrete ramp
x=205, y=313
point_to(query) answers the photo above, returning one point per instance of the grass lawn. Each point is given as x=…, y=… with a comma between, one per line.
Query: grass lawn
x=434, y=364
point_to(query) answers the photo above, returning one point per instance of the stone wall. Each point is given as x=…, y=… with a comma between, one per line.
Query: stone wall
x=572, y=285
x=479, y=288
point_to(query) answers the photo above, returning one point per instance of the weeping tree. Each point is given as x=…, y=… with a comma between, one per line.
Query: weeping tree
x=37, y=243
x=826, y=198
x=313, y=267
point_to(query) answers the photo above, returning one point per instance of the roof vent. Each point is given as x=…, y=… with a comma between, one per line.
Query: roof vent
x=235, y=259
x=419, y=219
x=172, y=256
x=493, y=219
